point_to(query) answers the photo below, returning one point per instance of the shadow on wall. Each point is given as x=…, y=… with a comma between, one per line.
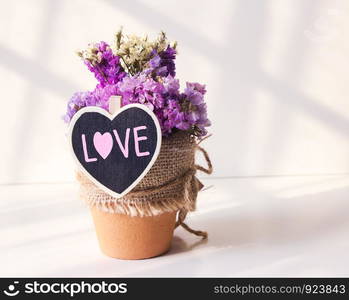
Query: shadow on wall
x=40, y=78
x=240, y=70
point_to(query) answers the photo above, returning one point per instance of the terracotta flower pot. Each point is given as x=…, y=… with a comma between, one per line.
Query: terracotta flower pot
x=125, y=237
x=139, y=224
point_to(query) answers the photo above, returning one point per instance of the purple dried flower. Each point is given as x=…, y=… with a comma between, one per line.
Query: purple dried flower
x=171, y=85
x=160, y=98
x=162, y=63
x=98, y=97
x=194, y=92
x=74, y=104
x=195, y=108
x=142, y=89
x=201, y=88
x=154, y=87
x=101, y=61
x=174, y=110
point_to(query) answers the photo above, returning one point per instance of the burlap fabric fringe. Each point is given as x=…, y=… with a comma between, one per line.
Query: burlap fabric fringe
x=170, y=185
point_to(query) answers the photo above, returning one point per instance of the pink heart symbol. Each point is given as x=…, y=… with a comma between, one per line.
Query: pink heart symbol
x=103, y=143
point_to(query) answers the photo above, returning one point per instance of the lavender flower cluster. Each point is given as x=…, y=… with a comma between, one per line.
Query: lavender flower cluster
x=104, y=64
x=154, y=86
x=98, y=97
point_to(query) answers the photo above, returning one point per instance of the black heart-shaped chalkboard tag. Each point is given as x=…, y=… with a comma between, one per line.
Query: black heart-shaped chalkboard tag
x=115, y=151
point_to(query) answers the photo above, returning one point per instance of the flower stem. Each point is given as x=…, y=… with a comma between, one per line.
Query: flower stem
x=128, y=68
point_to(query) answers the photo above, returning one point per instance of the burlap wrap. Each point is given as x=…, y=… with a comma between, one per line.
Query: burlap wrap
x=170, y=185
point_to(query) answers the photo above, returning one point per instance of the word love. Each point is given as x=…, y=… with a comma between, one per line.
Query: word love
x=104, y=143
x=115, y=151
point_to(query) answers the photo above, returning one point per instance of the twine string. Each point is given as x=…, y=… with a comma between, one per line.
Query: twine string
x=198, y=186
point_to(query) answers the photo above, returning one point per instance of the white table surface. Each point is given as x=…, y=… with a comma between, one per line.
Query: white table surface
x=267, y=226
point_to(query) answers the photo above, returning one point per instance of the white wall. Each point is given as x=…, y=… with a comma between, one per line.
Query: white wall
x=276, y=72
